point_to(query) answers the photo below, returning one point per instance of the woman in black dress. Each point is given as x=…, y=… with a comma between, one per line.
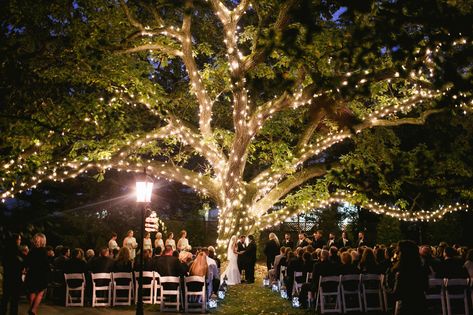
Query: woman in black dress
x=271, y=250
x=411, y=280
x=37, y=274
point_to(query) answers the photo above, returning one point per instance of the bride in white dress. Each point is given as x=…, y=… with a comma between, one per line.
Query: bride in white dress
x=232, y=273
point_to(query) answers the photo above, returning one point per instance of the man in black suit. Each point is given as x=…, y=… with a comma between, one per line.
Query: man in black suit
x=241, y=259
x=251, y=259
x=318, y=241
x=452, y=266
x=287, y=242
x=331, y=240
x=302, y=242
x=361, y=239
x=344, y=241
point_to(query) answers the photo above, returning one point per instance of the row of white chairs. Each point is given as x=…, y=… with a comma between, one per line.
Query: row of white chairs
x=366, y=292
x=118, y=288
x=346, y=293
x=445, y=291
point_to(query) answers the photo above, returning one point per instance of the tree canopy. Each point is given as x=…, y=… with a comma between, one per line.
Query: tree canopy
x=267, y=108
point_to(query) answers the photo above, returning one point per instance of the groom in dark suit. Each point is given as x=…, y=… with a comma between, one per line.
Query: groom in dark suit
x=241, y=259
x=251, y=259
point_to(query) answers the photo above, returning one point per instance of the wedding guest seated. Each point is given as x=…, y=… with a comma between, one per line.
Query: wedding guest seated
x=58, y=263
x=323, y=268
x=89, y=254
x=213, y=256
x=147, y=261
x=77, y=263
x=274, y=273
x=333, y=254
x=469, y=263
x=431, y=263
x=102, y=263
x=123, y=261
x=199, y=268
x=381, y=258
x=346, y=266
x=185, y=258
x=167, y=264
x=294, y=264
x=213, y=275
x=308, y=262
x=452, y=266
x=368, y=262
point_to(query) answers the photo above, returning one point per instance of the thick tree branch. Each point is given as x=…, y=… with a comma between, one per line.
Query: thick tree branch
x=205, y=103
x=261, y=53
x=283, y=188
x=199, y=182
x=150, y=47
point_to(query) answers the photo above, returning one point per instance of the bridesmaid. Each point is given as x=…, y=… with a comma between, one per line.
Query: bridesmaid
x=170, y=241
x=130, y=243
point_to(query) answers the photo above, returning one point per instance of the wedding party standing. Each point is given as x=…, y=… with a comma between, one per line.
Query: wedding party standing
x=241, y=258
x=170, y=241
x=251, y=259
x=147, y=244
x=183, y=243
x=158, y=242
x=130, y=243
x=232, y=272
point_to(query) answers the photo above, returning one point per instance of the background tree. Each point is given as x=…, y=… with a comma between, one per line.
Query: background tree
x=269, y=108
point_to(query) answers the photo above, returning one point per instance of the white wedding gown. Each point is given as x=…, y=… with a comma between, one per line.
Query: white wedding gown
x=232, y=272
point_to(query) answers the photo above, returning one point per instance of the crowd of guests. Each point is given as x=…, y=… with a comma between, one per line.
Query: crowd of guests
x=406, y=266
x=32, y=271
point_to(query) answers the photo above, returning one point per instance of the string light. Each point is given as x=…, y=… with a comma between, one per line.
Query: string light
x=224, y=183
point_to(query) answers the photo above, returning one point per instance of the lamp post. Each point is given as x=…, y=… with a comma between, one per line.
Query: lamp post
x=144, y=188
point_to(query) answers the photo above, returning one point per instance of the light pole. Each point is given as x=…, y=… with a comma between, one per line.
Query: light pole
x=144, y=188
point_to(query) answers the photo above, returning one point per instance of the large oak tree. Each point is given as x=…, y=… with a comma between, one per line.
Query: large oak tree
x=268, y=108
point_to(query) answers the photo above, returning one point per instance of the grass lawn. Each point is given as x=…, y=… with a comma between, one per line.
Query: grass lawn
x=255, y=299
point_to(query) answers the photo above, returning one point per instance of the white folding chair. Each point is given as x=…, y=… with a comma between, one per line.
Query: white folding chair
x=456, y=289
x=296, y=287
x=308, y=277
x=148, y=287
x=436, y=292
x=282, y=274
x=157, y=288
x=194, y=300
x=328, y=295
x=101, y=289
x=122, y=281
x=371, y=285
x=170, y=289
x=75, y=292
x=351, y=293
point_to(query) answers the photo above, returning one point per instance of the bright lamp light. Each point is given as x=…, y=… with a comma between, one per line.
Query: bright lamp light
x=143, y=191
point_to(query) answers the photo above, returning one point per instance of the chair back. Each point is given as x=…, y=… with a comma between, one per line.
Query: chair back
x=101, y=282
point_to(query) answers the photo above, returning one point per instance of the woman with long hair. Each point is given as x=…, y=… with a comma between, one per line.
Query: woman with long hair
x=170, y=241
x=271, y=250
x=158, y=242
x=183, y=243
x=130, y=243
x=232, y=273
x=147, y=243
x=37, y=274
x=411, y=280
x=368, y=262
x=123, y=262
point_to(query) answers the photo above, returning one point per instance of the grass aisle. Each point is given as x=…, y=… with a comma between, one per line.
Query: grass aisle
x=249, y=299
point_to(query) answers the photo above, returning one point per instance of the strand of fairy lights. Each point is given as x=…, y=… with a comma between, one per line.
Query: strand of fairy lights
x=235, y=60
